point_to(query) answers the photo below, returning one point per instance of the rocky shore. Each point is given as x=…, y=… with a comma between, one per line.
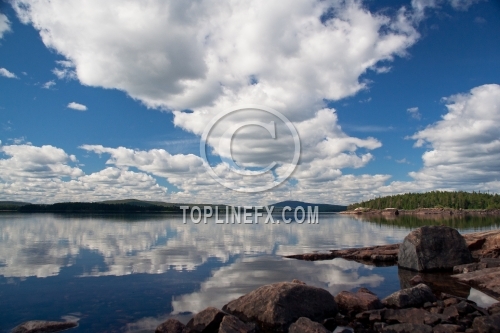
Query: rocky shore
x=423, y=212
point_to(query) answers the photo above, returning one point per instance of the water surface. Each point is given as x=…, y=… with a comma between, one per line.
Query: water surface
x=129, y=273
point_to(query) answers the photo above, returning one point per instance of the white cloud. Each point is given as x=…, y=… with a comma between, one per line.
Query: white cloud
x=413, y=112
x=77, y=106
x=4, y=72
x=463, y=4
x=4, y=25
x=49, y=84
x=465, y=143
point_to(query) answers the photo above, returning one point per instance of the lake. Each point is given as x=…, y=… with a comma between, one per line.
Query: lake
x=130, y=273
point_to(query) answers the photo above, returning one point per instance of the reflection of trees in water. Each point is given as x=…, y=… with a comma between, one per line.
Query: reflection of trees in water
x=415, y=221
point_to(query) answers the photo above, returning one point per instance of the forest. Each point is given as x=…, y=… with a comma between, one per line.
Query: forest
x=95, y=207
x=434, y=199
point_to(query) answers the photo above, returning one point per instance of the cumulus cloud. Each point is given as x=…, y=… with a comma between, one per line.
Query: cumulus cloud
x=4, y=25
x=465, y=144
x=77, y=106
x=5, y=73
x=219, y=55
x=413, y=112
x=49, y=174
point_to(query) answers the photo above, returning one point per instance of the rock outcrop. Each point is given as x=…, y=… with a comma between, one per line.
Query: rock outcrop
x=276, y=306
x=432, y=248
x=41, y=326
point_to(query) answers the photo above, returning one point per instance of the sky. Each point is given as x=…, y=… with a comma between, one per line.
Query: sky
x=111, y=100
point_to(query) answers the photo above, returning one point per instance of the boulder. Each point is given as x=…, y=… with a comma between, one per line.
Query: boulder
x=431, y=248
x=42, y=326
x=170, y=326
x=231, y=324
x=407, y=328
x=362, y=300
x=487, y=324
x=206, y=321
x=275, y=307
x=410, y=297
x=306, y=325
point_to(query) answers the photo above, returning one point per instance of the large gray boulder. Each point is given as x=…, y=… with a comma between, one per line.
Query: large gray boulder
x=432, y=248
x=275, y=307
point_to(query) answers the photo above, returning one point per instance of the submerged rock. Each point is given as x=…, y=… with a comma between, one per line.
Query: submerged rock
x=410, y=297
x=431, y=248
x=275, y=307
x=41, y=326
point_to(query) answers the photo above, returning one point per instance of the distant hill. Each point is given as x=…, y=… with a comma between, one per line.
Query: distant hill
x=323, y=208
x=136, y=202
x=13, y=203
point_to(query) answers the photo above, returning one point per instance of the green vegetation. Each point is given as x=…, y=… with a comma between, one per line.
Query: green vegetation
x=434, y=199
x=96, y=207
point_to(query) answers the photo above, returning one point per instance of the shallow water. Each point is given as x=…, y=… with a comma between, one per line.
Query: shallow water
x=129, y=273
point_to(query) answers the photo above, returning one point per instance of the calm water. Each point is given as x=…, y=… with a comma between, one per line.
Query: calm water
x=129, y=273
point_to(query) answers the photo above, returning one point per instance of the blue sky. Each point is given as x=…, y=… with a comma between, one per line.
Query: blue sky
x=110, y=101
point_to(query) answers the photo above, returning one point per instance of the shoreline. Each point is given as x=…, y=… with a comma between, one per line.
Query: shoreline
x=422, y=212
x=483, y=274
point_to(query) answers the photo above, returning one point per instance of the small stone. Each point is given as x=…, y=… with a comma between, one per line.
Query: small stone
x=343, y=329
x=407, y=328
x=206, y=321
x=416, y=280
x=450, y=301
x=494, y=308
x=427, y=305
x=306, y=325
x=360, y=301
x=487, y=324
x=231, y=324
x=170, y=326
x=447, y=328
x=410, y=297
x=464, y=308
x=450, y=313
x=379, y=326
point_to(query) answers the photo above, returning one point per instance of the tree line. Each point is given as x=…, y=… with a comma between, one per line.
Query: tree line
x=434, y=199
x=94, y=207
